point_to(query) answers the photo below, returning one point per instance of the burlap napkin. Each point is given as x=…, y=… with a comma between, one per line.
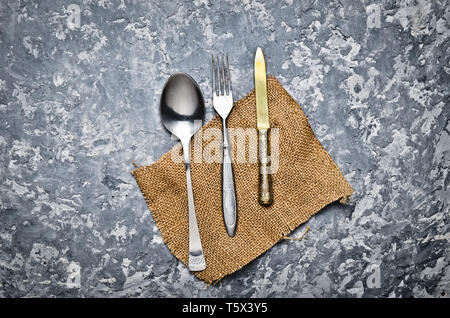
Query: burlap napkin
x=307, y=180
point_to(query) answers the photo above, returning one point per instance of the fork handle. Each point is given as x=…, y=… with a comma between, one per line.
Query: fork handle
x=265, y=178
x=228, y=189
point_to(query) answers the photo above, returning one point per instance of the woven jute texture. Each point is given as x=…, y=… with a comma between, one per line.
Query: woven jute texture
x=307, y=180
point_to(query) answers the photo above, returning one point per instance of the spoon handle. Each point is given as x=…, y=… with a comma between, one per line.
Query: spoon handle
x=228, y=189
x=196, y=256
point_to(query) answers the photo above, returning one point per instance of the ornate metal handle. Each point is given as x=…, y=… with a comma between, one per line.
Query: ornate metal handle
x=265, y=178
x=229, y=207
x=196, y=256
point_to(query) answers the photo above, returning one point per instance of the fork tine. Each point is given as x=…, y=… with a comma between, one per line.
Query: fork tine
x=217, y=70
x=214, y=75
x=216, y=84
x=223, y=76
x=222, y=83
x=212, y=64
x=228, y=75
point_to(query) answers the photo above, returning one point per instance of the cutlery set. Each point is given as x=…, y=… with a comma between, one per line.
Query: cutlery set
x=182, y=111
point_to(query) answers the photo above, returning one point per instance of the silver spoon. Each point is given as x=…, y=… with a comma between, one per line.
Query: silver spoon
x=182, y=111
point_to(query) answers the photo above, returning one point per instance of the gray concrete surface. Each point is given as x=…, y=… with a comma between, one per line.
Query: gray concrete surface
x=79, y=101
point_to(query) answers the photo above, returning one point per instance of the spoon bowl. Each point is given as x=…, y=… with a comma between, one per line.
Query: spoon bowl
x=182, y=111
x=182, y=106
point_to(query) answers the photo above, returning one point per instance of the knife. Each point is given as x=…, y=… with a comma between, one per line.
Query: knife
x=262, y=116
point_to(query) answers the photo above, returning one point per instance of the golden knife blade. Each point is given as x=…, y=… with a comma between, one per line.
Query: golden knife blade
x=262, y=110
x=262, y=117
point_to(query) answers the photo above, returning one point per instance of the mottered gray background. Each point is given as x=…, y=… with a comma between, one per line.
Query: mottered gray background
x=80, y=82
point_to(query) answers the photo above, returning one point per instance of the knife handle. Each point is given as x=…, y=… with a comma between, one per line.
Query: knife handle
x=265, y=178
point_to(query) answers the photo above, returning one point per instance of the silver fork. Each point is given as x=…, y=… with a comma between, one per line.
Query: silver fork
x=223, y=103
